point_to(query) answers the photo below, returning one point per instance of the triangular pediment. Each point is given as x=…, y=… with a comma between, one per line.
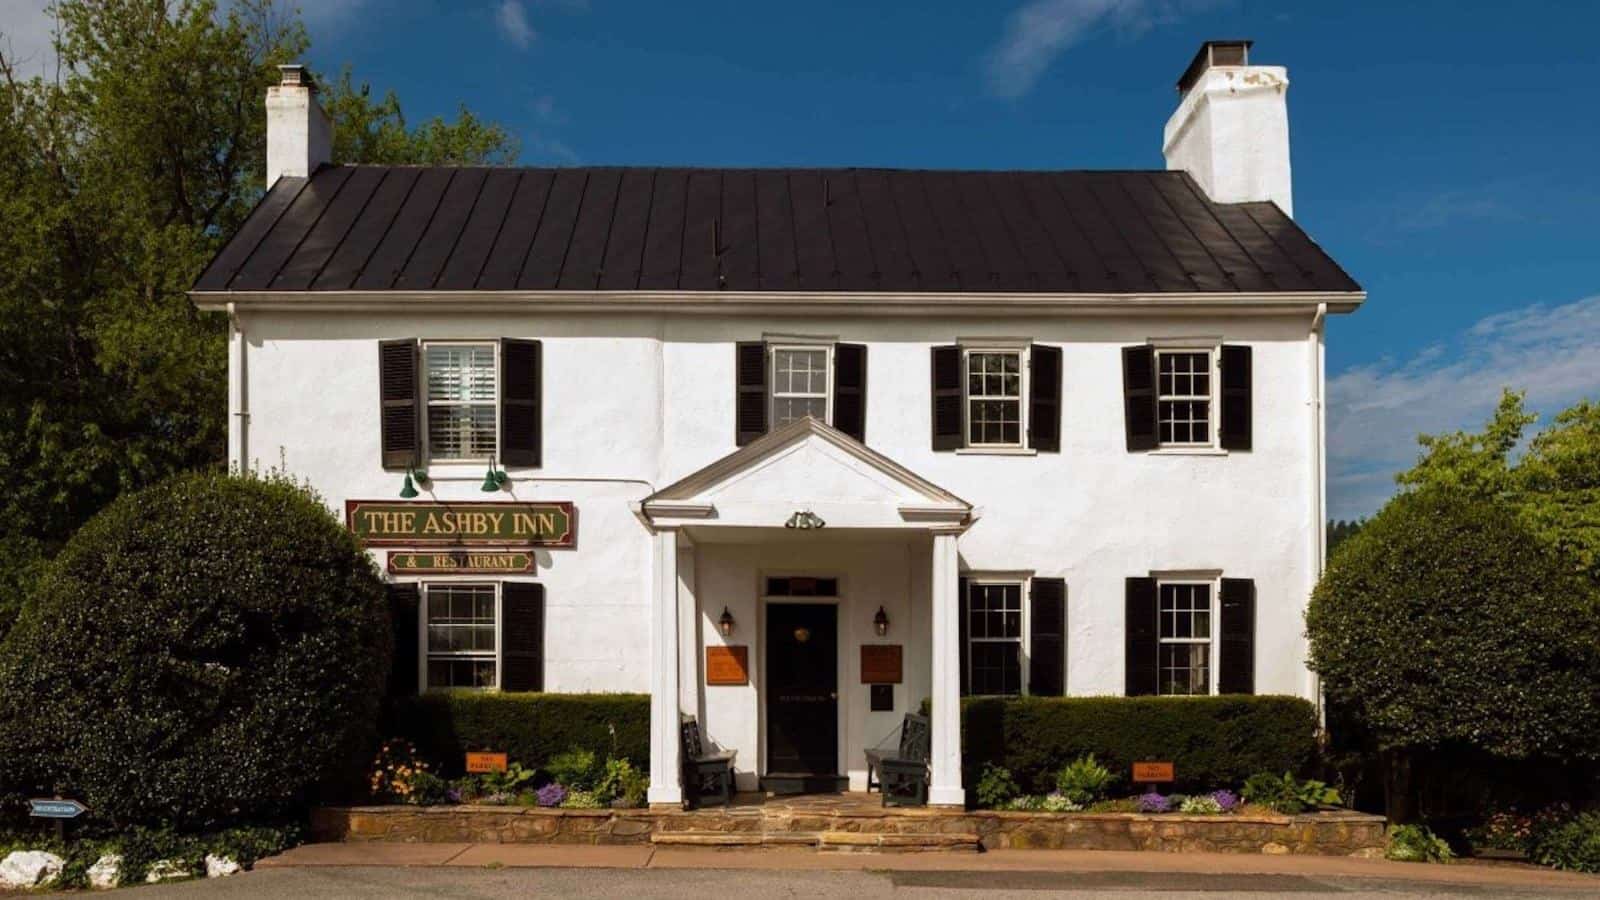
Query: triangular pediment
x=806, y=465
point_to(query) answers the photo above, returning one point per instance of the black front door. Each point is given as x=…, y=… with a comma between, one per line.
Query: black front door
x=802, y=688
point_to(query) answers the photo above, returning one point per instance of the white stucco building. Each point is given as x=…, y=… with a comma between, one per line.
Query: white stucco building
x=748, y=440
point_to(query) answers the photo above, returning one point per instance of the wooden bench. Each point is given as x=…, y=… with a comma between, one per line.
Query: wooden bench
x=704, y=774
x=902, y=776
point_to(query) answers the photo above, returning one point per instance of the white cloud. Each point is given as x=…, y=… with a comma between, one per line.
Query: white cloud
x=1042, y=29
x=512, y=20
x=1376, y=411
x=25, y=30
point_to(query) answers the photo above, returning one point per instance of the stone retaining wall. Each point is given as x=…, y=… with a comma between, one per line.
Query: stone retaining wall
x=1323, y=834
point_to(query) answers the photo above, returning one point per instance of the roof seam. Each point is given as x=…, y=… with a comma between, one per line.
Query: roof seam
x=287, y=257
x=611, y=228
x=389, y=226
x=1166, y=244
x=505, y=216
x=538, y=225
x=400, y=270
x=228, y=284
x=348, y=228
x=1188, y=185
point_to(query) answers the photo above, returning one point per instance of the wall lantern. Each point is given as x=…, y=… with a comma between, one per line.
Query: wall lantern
x=880, y=622
x=408, y=490
x=805, y=520
x=494, y=479
x=725, y=624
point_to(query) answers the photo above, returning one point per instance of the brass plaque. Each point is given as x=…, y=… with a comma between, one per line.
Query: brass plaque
x=880, y=664
x=728, y=665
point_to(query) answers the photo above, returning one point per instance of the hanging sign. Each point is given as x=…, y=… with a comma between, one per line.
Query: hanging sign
x=461, y=562
x=390, y=523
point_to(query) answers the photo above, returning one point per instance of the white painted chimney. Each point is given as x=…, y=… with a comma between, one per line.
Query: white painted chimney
x=299, y=135
x=1231, y=130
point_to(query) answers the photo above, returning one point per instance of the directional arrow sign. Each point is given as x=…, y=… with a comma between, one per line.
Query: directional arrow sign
x=56, y=809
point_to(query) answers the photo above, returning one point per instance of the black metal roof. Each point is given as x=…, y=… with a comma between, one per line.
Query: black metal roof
x=383, y=228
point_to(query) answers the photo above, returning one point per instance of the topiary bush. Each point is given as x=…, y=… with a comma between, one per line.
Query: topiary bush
x=208, y=650
x=1446, y=623
x=1213, y=741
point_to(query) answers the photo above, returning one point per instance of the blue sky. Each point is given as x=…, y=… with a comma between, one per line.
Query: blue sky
x=1445, y=153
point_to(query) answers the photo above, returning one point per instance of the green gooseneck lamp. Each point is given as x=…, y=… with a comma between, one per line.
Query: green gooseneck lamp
x=414, y=476
x=494, y=479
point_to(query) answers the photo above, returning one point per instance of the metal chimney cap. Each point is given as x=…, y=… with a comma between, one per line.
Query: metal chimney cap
x=295, y=75
x=1234, y=52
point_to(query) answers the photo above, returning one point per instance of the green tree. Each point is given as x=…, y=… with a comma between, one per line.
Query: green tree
x=1554, y=486
x=1446, y=622
x=120, y=177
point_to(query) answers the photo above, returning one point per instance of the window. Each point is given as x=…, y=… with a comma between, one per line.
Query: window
x=462, y=635
x=463, y=400
x=994, y=638
x=1184, y=641
x=1183, y=397
x=799, y=384
x=994, y=398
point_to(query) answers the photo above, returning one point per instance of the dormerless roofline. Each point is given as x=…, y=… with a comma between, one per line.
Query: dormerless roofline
x=788, y=303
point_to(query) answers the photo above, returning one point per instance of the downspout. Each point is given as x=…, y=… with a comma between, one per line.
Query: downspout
x=1319, y=488
x=238, y=396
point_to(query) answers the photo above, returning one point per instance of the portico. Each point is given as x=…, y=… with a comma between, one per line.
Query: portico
x=777, y=558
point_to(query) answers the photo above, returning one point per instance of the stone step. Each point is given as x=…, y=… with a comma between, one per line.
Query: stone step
x=856, y=842
x=706, y=839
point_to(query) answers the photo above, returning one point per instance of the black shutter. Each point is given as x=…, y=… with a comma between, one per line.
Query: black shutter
x=1139, y=396
x=850, y=389
x=947, y=398
x=522, y=636
x=1044, y=398
x=405, y=605
x=1141, y=625
x=961, y=633
x=397, y=400
x=1236, y=418
x=1236, y=657
x=1047, y=628
x=520, y=415
x=750, y=371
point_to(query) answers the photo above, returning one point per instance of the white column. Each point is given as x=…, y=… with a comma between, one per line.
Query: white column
x=944, y=787
x=664, y=766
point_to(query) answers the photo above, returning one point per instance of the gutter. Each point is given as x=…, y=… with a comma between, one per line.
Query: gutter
x=1318, y=545
x=238, y=395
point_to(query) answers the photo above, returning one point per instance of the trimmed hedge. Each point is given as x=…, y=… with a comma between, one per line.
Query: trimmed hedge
x=529, y=728
x=1214, y=742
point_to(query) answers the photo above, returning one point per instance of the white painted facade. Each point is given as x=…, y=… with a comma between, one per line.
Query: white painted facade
x=676, y=523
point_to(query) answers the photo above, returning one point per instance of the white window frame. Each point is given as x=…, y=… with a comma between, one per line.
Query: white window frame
x=427, y=404
x=1024, y=585
x=1024, y=367
x=1213, y=408
x=425, y=589
x=1213, y=586
x=773, y=395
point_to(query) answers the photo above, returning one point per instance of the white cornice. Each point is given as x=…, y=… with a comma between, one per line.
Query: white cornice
x=787, y=303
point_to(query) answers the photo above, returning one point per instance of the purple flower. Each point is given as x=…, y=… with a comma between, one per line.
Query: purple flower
x=1226, y=799
x=551, y=794
x=1153, y=802
x=453, y=795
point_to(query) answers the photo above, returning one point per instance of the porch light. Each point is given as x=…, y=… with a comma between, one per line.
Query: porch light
x=804, y=520
x=494, y=479
x=725, y=624
x=880, y=622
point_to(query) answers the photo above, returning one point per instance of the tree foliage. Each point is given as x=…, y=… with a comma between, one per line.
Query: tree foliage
x=120, y=177
x=1554, y=486
x=1447, y=621
x=208, y=649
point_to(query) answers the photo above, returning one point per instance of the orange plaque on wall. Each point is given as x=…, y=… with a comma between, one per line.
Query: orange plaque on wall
x=728, y=665
x=1152, y=772
x=880, y=664
x=486, y=762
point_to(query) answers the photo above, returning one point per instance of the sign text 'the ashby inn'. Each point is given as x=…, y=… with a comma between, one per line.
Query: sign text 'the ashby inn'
x=387, y=523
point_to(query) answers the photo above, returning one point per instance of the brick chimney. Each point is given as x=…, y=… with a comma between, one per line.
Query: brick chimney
x=1231, y=129
x=299, y=135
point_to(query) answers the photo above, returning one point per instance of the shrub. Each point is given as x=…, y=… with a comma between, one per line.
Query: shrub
x=1083, y=781
x=622, y=782
x=1152, y=802
x=1201, y=805
x=1415, y=843
x=532, y=728
x=1287, y=794
x=552, y=794
x=1059, y=802
x=509, y=781
x=575, y=768
x=1574, y=846
x=1211, y=740
x=582, y=800
x=1226, y=800
x=1446, y=621
x=205, y=650
x=996, y=787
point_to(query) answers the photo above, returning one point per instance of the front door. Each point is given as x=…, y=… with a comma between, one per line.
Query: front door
x=802, y=689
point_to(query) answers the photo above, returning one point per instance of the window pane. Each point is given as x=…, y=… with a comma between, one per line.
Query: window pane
x=461, y=432
x=1185, y=669
x=799, y=385
x=461, y=373
x=996, y=668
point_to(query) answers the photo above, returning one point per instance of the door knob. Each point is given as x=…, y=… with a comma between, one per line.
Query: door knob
x=833, y=695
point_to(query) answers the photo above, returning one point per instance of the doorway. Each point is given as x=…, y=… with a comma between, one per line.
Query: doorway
x=802, y=697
